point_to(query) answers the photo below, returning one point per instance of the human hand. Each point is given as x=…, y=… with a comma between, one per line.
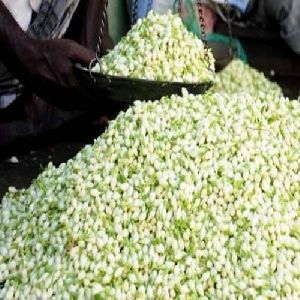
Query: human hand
x=47, y=69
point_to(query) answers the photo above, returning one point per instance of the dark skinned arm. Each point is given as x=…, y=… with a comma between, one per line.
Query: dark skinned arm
x=45, y=67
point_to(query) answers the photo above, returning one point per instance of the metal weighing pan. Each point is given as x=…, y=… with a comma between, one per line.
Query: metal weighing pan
x=127, y=90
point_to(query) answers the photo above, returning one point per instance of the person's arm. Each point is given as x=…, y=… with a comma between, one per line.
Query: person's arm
x=43, y=66
x=11, y=36
x=210, y=18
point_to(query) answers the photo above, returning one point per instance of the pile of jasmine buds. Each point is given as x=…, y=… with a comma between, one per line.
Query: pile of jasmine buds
x=188, y=197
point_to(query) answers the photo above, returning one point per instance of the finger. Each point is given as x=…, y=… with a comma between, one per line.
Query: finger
x=81, y=54
x=69, y=78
